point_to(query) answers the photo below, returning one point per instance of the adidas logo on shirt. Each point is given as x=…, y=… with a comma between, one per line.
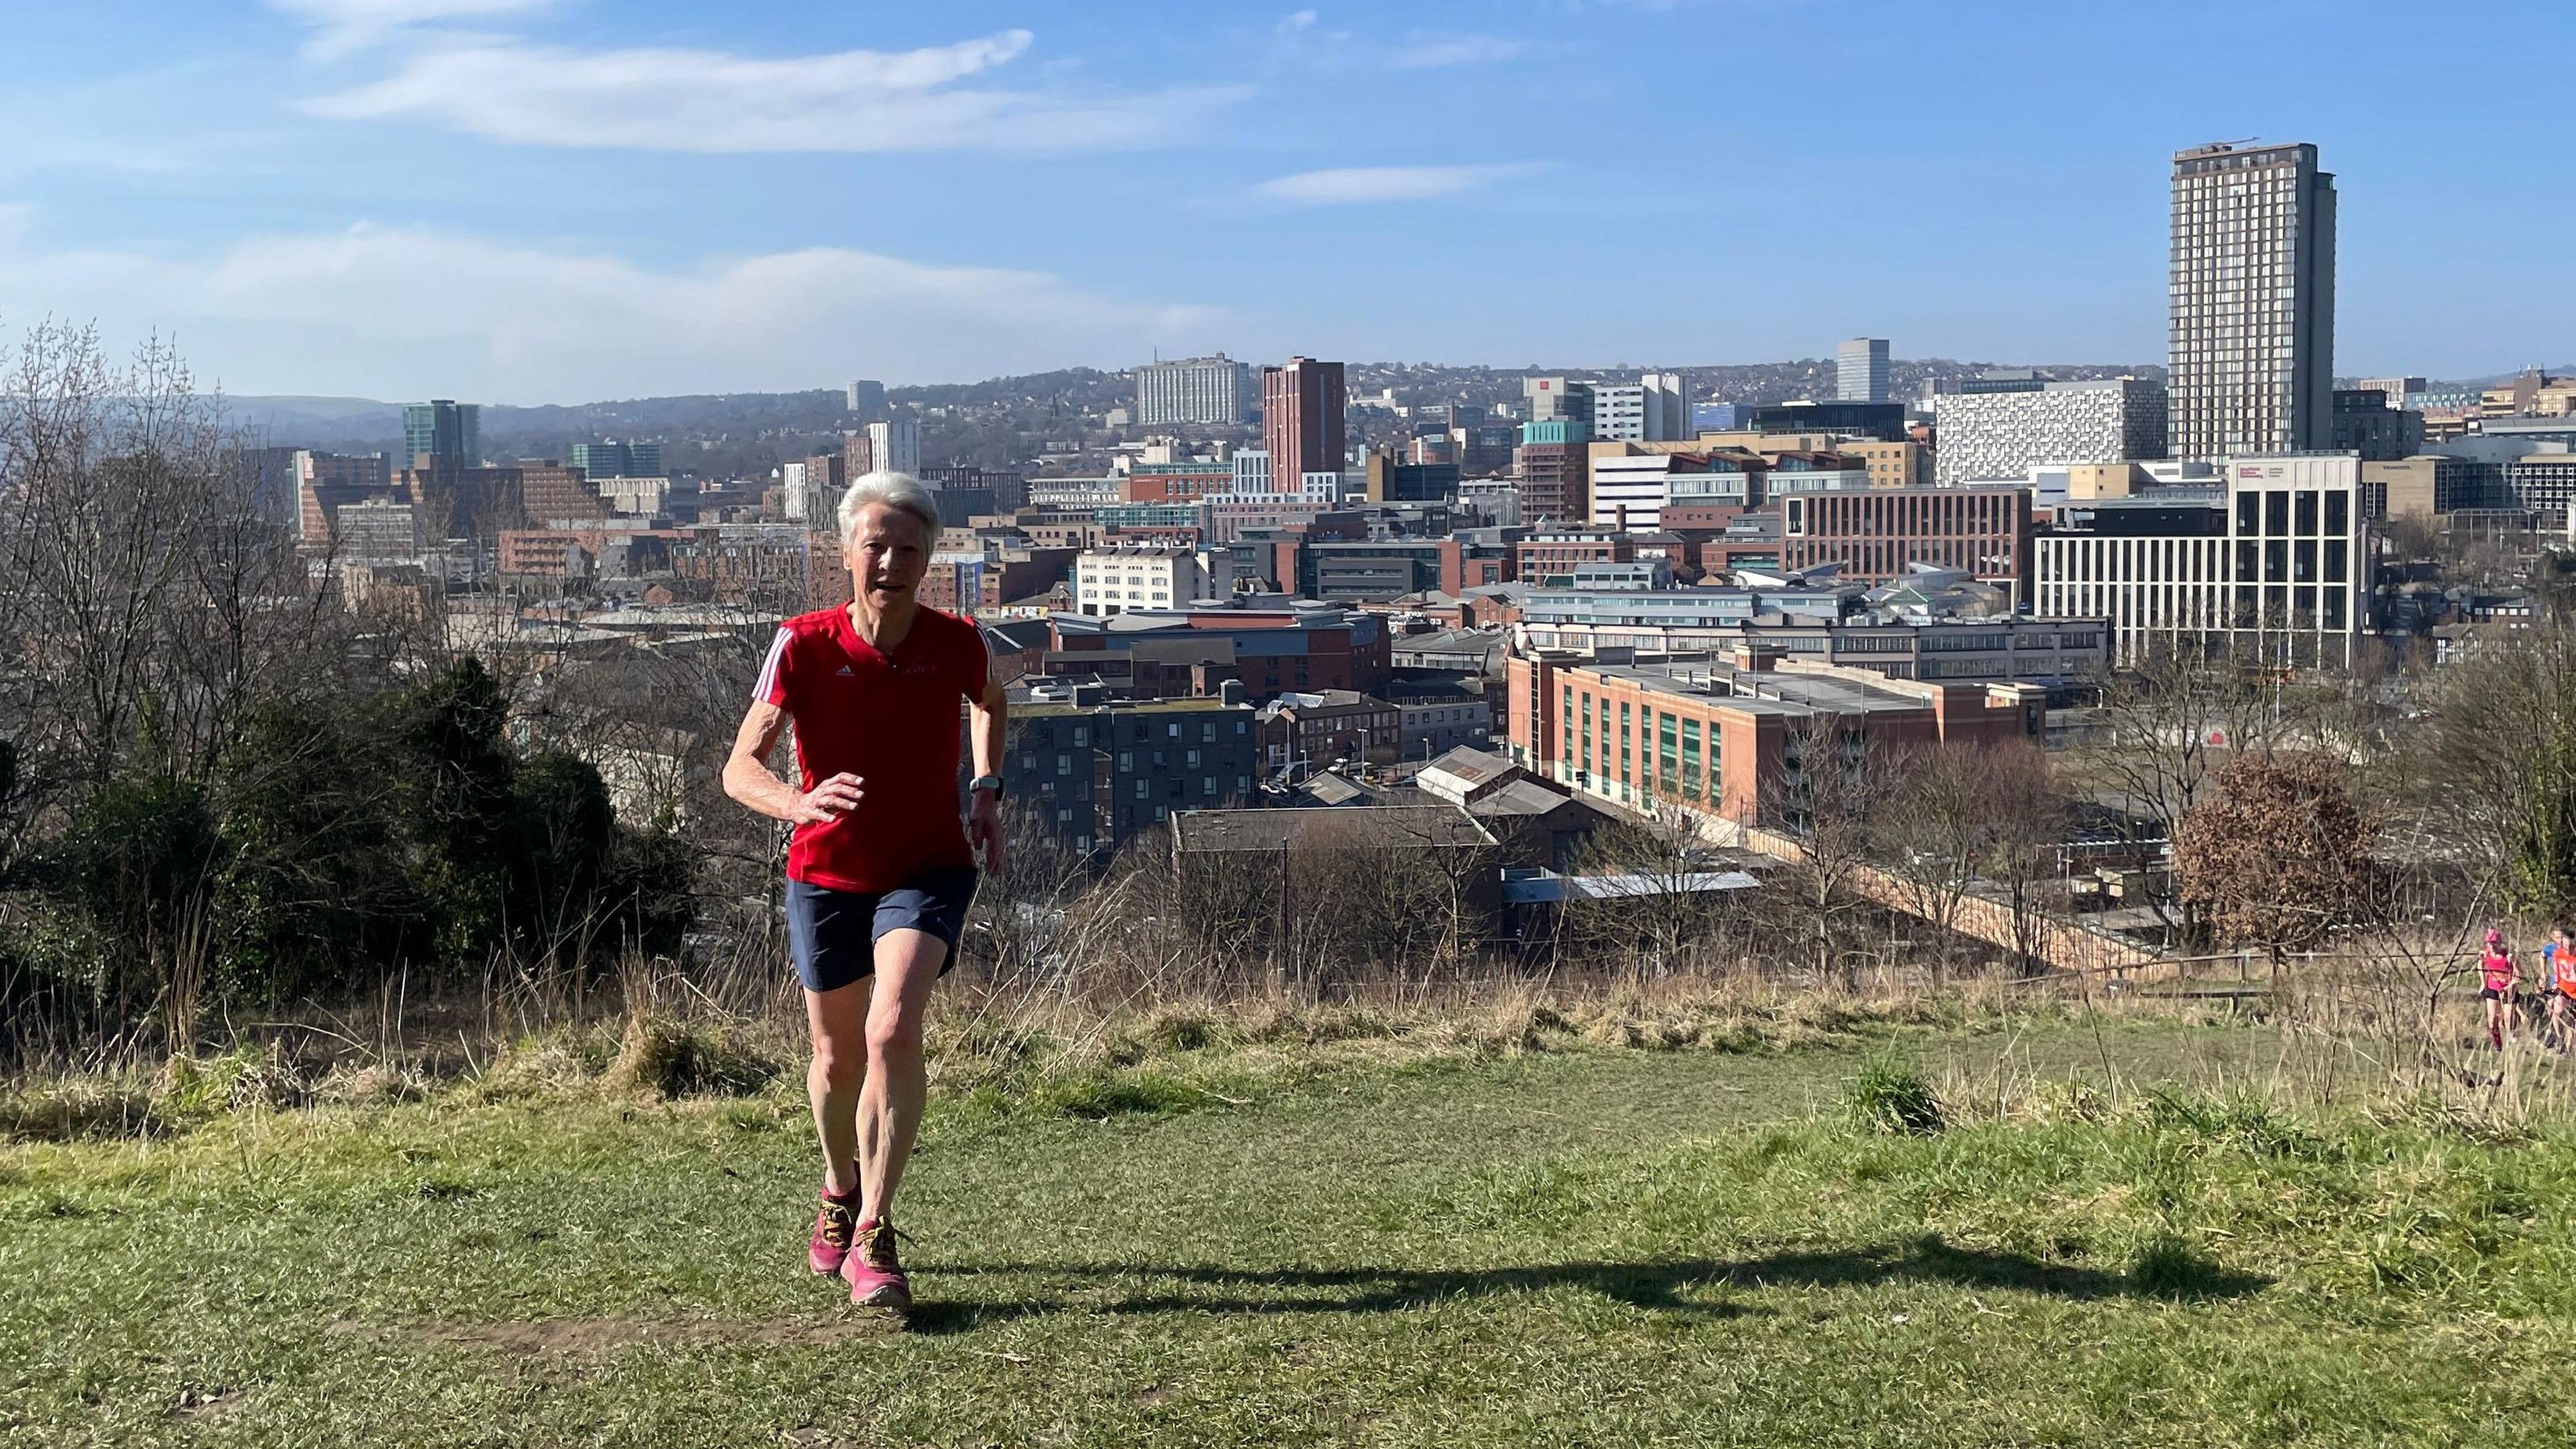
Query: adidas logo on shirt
x=846, y=672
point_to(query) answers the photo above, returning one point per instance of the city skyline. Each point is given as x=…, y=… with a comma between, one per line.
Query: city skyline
x=416, y=198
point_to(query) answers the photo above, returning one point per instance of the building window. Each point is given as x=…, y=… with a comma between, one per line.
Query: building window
x=1690, y=759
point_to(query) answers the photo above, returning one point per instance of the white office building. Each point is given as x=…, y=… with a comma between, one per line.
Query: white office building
x=1211, y=390
x=1989, y=437
x=647, y=497
x=2273, y=564
x=1116, y=581
x=1252, y=470
x=1072, y=492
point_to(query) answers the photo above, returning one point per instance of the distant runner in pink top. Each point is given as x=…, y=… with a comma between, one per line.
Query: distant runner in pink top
x=2558, y=968
x=2496, y=970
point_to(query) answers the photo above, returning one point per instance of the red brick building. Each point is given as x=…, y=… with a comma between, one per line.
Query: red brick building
x=1542, y=554
x=1878, y=533
x=1731, y=743
x=1301, y=420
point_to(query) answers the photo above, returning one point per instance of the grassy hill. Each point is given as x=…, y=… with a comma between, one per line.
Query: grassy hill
x=1293, y=1242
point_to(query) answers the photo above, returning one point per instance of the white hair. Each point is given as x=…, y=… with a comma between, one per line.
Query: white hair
x=901, y=492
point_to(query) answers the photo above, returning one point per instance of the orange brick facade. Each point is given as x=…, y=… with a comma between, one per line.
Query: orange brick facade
x=1637, y=742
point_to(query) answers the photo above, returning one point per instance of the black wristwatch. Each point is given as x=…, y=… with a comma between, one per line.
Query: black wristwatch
x=987, y=782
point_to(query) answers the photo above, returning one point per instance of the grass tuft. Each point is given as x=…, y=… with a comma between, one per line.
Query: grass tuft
x=682, y=1058
x=1888, y=1094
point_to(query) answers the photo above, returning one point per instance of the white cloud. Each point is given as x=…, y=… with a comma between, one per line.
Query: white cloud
x=709, y=101
x=402, y=313
x=1351, y=185
x=1421, y=52
x=344, y=26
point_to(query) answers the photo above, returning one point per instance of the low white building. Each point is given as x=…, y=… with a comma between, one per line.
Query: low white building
x=1116, y=581
x=1497, y=499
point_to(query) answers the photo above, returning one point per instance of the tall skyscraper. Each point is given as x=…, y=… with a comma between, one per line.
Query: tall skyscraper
x=867, y=401
x=1860, y=370
x=1198, y=390
x=2251, y=356
x=448, y=433
x=1301, y=420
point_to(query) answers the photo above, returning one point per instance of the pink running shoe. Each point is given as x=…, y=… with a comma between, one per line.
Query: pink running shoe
x=834, y=1226
x=876, y=1279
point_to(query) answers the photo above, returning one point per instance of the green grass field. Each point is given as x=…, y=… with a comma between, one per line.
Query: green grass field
x=1576, y=1246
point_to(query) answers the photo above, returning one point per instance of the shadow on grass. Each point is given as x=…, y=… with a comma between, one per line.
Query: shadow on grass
x=1665, y=1286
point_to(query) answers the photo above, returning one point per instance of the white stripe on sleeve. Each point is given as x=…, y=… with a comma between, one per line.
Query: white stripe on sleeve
x=768, y=682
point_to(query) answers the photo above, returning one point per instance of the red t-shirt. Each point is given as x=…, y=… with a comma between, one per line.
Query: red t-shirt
x=890, y=720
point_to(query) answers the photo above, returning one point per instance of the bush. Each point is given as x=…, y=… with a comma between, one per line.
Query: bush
x=1889, y=1095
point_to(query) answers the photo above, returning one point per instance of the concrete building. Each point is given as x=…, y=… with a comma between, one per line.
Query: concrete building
x=1251, y=470
x=376, y=528
x=2427, y=486
x=2274, y=565
x=1217, y=391
x=1987, y=437
x=2250, y=365
x=1302, y=418
x=2542, y=486
x=1668, y=407
x=1907, y=464
x=2401, y=392
x=1114, y=581
x=1860, y=370
x=865, y=401
x=1094, y=771
x=1496, y=500
x=645, y=496
x=1737, y=747
x=1828, y=625
x=1555, y=400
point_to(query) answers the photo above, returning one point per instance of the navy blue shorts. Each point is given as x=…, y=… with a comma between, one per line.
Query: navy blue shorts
x=833, y=934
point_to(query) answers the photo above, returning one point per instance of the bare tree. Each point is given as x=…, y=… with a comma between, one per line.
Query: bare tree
x=2169, y=721
x=1829, y=792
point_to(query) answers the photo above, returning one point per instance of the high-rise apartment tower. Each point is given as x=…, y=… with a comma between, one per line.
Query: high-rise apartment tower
x=1301, y=420
x=1197, y=390
x=2251, y=354
x=1860, y=370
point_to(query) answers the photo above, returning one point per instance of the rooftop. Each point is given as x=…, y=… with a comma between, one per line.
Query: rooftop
x=1382, y=826
x=1187, y=704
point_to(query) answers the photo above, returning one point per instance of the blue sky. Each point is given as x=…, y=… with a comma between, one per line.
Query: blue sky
x=561, y=200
